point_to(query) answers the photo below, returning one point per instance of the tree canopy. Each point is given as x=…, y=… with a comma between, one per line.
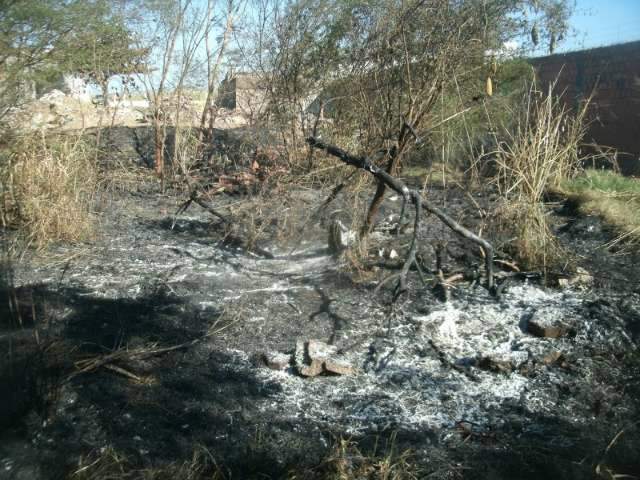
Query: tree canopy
x=386, y=60
x=39, y=40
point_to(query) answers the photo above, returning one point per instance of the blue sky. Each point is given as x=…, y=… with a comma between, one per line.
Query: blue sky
x=597, y=23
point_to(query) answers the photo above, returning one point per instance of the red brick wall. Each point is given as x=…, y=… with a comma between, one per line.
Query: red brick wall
x=614, y=72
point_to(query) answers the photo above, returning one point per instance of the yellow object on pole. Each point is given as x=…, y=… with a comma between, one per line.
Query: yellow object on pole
x=489, y=87
x=534, y=35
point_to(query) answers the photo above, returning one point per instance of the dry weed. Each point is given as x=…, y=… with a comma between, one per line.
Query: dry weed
x=527, y=234
x=48, y=186
x=538, y=154
x=347, y=462
x=109, y=464
x=542, y=150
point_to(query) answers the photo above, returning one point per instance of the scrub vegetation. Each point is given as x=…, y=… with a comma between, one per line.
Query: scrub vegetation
x=400, y=190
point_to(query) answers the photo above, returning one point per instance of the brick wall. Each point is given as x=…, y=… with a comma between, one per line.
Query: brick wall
x=614, y=72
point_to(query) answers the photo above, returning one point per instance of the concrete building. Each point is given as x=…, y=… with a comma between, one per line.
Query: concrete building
x=242, y=93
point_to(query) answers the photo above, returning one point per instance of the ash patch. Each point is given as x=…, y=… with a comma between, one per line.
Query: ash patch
x=409, y=380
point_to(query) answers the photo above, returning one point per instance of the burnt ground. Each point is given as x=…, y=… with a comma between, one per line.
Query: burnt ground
x=464, y=384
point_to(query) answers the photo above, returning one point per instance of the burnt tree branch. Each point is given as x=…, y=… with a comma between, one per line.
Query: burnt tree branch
x=386, y=179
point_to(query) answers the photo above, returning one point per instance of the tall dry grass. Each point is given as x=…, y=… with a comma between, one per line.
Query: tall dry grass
x=542, y=149
x=537, y=154
x=47, y=187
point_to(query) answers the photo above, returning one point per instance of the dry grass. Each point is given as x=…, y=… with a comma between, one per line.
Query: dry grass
x=109, y=464
x=347, y=462
x=47, y=187
x=538, y=154
x=542, y=150
x=527, y=234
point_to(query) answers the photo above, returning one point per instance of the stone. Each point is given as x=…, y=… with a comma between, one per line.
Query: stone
x=552, y=358
x=339, y=366
x=305, y=365
x=319, y=350
x=503, y=362
x=582, y=277
x=314, y=357
x=546, y=330
x=494, y=365
x=547, y=323
x=277, y=360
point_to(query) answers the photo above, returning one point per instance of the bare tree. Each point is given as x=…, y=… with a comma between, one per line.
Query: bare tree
x=379, y=69
x=214, y=58
x=159, y=28
x=195, y=25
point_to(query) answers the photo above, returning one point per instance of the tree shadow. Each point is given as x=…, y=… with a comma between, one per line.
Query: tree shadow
x=155, y=410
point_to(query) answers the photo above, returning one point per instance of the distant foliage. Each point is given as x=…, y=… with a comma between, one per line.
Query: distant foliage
x=367, y=68
x=41, y=40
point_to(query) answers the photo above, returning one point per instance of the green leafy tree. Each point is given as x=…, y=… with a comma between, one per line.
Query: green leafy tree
x=105, y=50
x=40, y=40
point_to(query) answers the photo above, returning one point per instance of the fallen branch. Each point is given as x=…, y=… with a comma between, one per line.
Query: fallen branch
x=92, y=364
x=195, y=198
x=416, y=199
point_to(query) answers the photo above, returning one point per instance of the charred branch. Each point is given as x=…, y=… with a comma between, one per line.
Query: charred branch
x=387, y=180
x=207, y=206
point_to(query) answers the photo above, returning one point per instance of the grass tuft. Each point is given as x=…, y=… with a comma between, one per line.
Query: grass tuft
x=347, y=462
x=607, y=182
x=538, y=154
x=47, y=187
x=528, y=236
x=109, y=464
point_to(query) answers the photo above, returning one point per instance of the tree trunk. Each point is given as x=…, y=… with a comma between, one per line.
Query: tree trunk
x=208, y=109
x=158, y=145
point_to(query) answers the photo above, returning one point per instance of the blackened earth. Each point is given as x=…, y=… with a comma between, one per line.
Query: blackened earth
x=462, y=384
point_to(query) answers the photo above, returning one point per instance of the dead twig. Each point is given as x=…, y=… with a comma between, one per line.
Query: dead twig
x=107, y=361
x=602, y=470
x=510, y=265
x=128, y=374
